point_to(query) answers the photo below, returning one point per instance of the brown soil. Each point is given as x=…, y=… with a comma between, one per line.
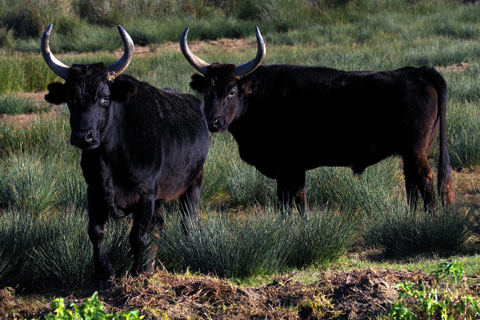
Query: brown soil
x=357, y=294
x=461, y=66
x=228, y=45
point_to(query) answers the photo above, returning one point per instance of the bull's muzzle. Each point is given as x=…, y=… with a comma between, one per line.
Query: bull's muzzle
x=217, y=124
x=85, y=139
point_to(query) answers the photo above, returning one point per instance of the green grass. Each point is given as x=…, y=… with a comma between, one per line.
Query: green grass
x=14, y=104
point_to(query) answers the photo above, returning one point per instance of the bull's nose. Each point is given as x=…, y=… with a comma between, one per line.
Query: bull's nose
x=84, y=139
x=89, y=136
x=218, y=123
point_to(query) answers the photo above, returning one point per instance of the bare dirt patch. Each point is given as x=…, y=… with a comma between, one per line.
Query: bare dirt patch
x=228, y=45
x=461, y=66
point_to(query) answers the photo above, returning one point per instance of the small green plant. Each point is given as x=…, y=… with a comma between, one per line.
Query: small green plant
x=442, y=300
x=91, y=308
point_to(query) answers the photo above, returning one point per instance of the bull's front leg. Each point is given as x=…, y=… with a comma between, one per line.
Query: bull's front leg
x=290, y=188
x=142, y=225
x=97, y=213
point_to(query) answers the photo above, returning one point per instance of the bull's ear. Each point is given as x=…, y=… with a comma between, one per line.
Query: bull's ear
x=248, y=86
x=197, y=83
x=121, y=90
x=56, y=93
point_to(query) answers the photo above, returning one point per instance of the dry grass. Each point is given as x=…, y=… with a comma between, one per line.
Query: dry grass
x=468, y=185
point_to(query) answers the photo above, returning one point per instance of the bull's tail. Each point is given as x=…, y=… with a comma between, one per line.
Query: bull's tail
x=445, y=180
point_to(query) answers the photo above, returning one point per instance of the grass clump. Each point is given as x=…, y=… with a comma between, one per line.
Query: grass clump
x=400, y=231
x=261, y=242
x=28, y=184
x=53, y=251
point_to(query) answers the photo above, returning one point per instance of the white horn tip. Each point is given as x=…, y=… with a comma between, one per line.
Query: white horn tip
x=48, y=29
x=185, y=33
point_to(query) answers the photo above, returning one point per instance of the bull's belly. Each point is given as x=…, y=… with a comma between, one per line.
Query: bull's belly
x=127, y=198
x=274, y=164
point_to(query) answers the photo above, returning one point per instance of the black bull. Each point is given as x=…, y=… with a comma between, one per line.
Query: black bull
x=141, y=146
x=288, y=119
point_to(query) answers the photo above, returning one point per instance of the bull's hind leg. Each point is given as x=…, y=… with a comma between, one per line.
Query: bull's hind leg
x=154, y=229
x=291, y=187
x=97, y=213
x=190, y=199
x=419, y=178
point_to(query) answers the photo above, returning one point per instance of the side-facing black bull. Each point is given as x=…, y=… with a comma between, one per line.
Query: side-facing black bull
x=141, y=146
x=288, y=119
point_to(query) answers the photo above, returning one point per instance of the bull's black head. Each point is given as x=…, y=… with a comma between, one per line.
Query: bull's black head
x=224, y=86
x=223, y=95
x=89, y=91
x=89, y=95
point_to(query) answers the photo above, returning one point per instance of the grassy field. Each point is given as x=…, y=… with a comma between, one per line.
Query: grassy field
x=242, y=241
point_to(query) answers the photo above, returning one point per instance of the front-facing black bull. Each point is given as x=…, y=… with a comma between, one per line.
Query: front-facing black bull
x=140, y=146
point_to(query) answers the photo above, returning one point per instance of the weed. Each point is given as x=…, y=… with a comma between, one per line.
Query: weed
x=442, y=300
x=91, y=308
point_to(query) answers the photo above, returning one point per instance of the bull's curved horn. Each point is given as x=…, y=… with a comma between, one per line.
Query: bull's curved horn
x=115, y=69
x=56, y=65
x=200, y=65
x=247, y=68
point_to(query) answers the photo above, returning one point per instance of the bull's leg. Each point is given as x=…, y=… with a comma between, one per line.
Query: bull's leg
x=142, y=225
x=190, y=199
x=97, y=213
x=419, y=178
x=291, y=187
x=410, y=185
x=156, y=226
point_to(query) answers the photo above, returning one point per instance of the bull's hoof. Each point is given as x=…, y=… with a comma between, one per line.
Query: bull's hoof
x=104, y=284
x=144, y=270
x=116, y=213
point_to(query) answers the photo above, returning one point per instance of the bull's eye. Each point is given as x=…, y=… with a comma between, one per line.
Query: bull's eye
x=232, y=93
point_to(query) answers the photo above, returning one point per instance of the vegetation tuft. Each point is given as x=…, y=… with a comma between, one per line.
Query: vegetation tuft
x=401, y=232
x=53, y=251
x=263, y=241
